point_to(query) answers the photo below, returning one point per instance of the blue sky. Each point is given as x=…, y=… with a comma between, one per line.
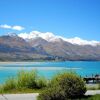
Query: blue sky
x=68, y=18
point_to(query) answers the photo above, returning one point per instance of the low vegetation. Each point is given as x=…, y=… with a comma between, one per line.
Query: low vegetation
x=64, y=86
x=25, y=80
x=93, y=86
x=94, y=97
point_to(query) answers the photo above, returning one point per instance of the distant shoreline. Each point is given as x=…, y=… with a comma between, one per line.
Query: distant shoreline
x=20, y=62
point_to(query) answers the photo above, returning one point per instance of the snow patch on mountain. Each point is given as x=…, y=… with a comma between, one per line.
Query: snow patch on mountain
x=12, y=34
x=79, y=41
x=50, y=37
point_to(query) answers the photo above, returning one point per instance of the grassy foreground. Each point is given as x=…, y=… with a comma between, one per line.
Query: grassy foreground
x=93, y=86
x=31, y=82
x=24, y=82
x=94, y=97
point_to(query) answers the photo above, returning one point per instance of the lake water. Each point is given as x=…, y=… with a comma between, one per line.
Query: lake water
x=48, y=69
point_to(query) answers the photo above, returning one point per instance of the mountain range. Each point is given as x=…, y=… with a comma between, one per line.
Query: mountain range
x=36, y=46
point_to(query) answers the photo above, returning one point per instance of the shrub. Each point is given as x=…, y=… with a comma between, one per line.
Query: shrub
x=63, y=86
x=26, y=79
x=52, y=93
x=9, y=84
x=41, y=82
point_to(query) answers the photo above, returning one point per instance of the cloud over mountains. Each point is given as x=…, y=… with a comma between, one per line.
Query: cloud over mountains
x=15, y=27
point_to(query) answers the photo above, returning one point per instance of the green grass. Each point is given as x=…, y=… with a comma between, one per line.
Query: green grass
x=93, y=86
x=22, y=90
x=94, y=97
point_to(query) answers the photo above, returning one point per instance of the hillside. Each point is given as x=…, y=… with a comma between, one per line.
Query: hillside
x=16, y=48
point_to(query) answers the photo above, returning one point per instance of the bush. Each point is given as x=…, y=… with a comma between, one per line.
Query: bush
x=9, y=84
x=63, y=86
x=26, y=79
x=52, y=93
x=41, y=82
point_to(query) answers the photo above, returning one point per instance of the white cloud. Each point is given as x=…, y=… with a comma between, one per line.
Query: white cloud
x=51, y=38
x=5, y=26
x=18, y=28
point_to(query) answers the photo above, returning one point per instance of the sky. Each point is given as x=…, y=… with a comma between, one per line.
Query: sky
x=67, y=18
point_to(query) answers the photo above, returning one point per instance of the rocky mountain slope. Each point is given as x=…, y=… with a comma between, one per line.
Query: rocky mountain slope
x=47, y=46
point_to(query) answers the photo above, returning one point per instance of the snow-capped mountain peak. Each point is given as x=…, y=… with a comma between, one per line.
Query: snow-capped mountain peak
x=79, y=41
x=50, y=37
x=12, y=34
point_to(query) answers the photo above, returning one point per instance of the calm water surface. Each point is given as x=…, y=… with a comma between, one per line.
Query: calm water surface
x=48, y=69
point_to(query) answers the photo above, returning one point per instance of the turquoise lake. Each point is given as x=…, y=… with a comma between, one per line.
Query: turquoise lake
x=48, y=69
